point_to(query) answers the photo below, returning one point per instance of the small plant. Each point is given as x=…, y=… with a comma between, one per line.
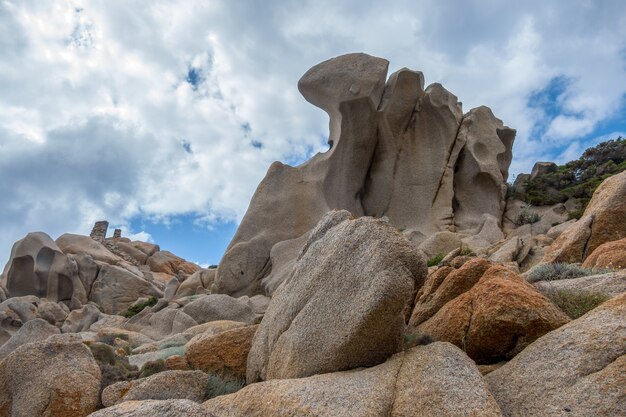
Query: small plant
x=576, y=303
x=171, y=351
x=152, y=367
x=212, y=266
x=222, y=386
x=527, y=216
x=552, y=272
x=434, y=261
x=416, y=338
x=576, y=214
x=466, y=252
x=113, y=368
x=137, y=308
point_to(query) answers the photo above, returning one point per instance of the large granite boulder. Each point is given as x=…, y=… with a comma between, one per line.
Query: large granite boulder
x=434, y=380
x=49, y=379
x=213, y=307
x=168, y=263
x=224, y=353
x=362, y=270
x=576, y=370
x=161, y=408
x=602, y=221
x=396, y=150
x=167, y=385
x=37, y=266
x=115, y=289
x=498, y=317
x=199, y=282
x=608, y=255
x=36, y=330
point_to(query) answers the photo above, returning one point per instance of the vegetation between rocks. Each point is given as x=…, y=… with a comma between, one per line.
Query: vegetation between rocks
x=416, y=338
x=435, y=260
x=578, y=179
x=222, y=386
x=557, y=271
x=137, y=308
x=576, y=303
x=527, y=216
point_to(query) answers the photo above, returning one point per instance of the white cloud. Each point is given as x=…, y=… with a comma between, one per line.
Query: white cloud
x=98, y=119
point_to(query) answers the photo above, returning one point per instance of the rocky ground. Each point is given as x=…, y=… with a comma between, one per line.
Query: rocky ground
x=390, y=276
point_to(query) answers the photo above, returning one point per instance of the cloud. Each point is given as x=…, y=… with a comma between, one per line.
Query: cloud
x=119, y=109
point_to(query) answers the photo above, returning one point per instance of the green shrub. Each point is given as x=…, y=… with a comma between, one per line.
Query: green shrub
x=527, y=216
x=137, y=308
x=416, y=338
x=212, y=266
x=152, y=367
x=113, y=368
x=435, y=260
x=556, y=271
x=466, y=252
x=222, y=386
x=576, y=214
x=575, y=303
x=171, y=351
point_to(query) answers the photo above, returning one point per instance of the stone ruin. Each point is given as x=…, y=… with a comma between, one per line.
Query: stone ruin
x=397, y=150
x=99, y=231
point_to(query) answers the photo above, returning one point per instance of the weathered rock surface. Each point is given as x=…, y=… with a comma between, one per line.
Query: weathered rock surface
x=81, y=320
x=433, y=380
x=36, y=330
x=164, y=408
x=397, y=150
x=602, y=221
x=167, y=385
x=116, y=289
x=444, y=285
x=224, y=353
x=199, y=282
x=576, y=370
x=608, y=255
x=168, y=263
x=213, y=307
x=497, y=318
x=611, y=284
x=78, y=244
x=362, y=270
x=161, y=324
x=482, y=169
x=38, y=267
x=49, y=379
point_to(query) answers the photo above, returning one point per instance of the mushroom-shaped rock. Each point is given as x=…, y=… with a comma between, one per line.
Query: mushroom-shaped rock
x=361, y=270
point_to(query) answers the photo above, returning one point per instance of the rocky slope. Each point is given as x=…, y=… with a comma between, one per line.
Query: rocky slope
x=381, y=278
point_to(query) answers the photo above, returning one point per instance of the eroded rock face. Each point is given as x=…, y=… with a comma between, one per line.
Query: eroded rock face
x=608, y=255
x=361, y=270
x=577, y=370
x=434, y=380
x=38, y=267
x=397, y=150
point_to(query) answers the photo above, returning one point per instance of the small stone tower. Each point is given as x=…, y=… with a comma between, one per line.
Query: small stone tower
x=99, y=230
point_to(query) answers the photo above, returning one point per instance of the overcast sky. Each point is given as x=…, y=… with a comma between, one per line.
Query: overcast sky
x=163, y=116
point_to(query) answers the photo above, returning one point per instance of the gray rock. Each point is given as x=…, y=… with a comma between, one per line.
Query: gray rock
x=38, y=267
x=161, y=324
x=116, y=289
x=36, y=330
x=578, y=369
x=361, y=270
x=165, y=408
x=610, y=284
x=81, y=320
x=170, y=289
x=213, y=307
x=433, y=380
x=199, y=282
x=167, y=385
x=51, y=312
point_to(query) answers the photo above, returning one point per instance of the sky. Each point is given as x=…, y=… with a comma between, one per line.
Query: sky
x=163, y=116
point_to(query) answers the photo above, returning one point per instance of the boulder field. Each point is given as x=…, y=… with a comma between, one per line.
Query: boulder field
x=392, y=275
